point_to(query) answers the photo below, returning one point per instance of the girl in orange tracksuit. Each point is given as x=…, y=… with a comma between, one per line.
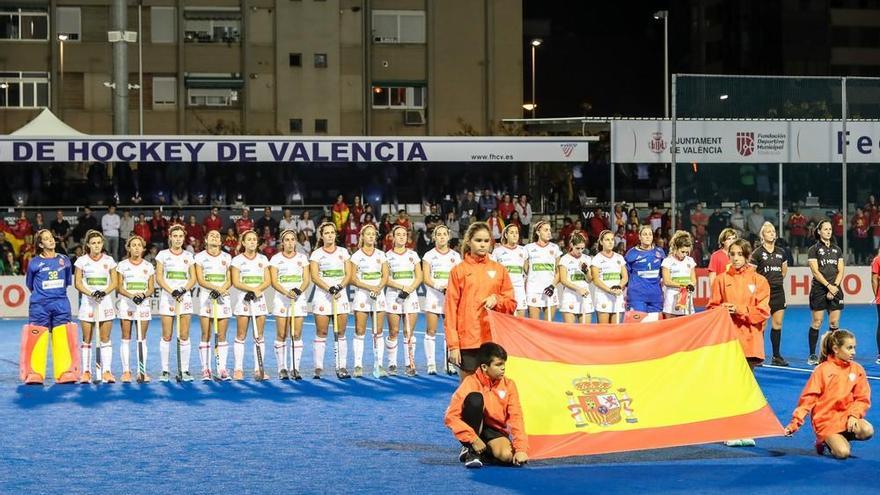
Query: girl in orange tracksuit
x=746, y=295
x=837, y=396
x=476, y=285
x=485, y=409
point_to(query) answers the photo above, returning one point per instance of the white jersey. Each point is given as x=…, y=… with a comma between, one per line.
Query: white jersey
x=215, y=271
x=291, y=273
x=610, y=273
x=514, y=260
x=573, y=302
x=680, y=272
x=402, y=271
x=441, y=265
x=96, y=275
x=253, y=271
x=542, y=270
x=368, y=270
x=134, y=278
x=331, y=269
x=175, y=267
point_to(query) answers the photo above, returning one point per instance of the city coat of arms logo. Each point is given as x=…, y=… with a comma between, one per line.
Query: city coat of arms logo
x=595, y=401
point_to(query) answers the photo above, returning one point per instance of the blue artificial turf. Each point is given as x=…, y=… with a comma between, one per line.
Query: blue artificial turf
x=366, y=436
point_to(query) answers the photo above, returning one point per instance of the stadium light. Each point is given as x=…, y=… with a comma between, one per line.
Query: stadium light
x=530, y=106
x=536, y=42
x=723, y=97
x=664, y=15
x=62, y=37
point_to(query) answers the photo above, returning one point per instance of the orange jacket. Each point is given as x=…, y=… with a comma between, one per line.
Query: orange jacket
x=501, y=409
x=749, y=291
x=835, y=391
x=470, y=283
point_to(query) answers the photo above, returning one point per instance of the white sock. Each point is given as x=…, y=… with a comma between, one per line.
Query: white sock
x=238, y=354
x=223, y=349
x=106, y=356
x=204, y=358
x=164, y=353
x=410, y=355
x=86, y=351
x=280, y=355
x=391, y=348
x=320, y=345
x=430, y=345
x=358, y=351
x=125, y=354
x=262, y=345
x=297, y=353
x=342, y=359
x=185, y=353
x=379, y=350
x=143, y=344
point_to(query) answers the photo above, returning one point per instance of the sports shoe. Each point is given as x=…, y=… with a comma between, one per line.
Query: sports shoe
x=358, y=371
x=778, y=361
x=813, y=360
x=742, y=442
x=165, y=376
x=472, y=460
x=462, y=455
x=450, y=370
x=67, y=377
x=432, y=369
x=33, y=379
x=224, y=376
x=342, y=374
x=238, y=375
x=186, y=376
x=206, y=375
x=318, y=373
x=283, y=375
x=126, y=377
x=822, y=448
x=296, y=375
x=410, y=371
x=878, y=359
x=392, y=370
x=145, y=378
x=86, y=377
x=108, y=377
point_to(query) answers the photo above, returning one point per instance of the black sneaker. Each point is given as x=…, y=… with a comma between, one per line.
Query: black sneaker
x=342, y=374
x=778, y=361
x=296, y=375
x=472, y=460
x=462, y=456
x=317, y=373
x=813, y=360
x=283, y=375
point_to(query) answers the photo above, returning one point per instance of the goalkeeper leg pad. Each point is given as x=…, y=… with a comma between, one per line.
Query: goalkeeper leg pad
x=65, y=353
x=32, y=359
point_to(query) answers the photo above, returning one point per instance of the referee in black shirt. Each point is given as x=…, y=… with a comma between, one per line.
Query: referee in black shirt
x=826, y=262
x=771, y=261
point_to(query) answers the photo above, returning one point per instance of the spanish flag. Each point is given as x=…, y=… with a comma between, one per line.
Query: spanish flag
x=612, y=388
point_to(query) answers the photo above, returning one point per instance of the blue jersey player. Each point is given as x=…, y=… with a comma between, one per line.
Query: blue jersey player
x=644, y=292
x=48, y=277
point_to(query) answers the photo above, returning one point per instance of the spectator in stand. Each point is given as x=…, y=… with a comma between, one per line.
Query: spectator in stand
x=350, y=233
x=505, y=207
x=755, y=222
x=368, y=210
x=84, y=223
x=385, y=225
x=26, y=252
x=720, y=259
x=699, y=223
x=268, y=242
x=38, y=224
x=306, y=225
x=633, y=218
x=110, y=224
x=8, y=265
x=488, y=203
x=194, y=231
x=230, y=242
x=288, y=222
x=619, y=218
x=357, y=209
x=126, y=227
x=60, y=228
x=432, y=219
x=861, y=242
x=837, y=228
x=213, y=221
x=340, y=212
x=142, y=228
x=566, y=230
x=150, y=257
x=666, y=222
x=22, y=226
x=267, y=221
x=403, y=219
x=158, y=229
x=631, y=237
x=244, y=222
x=655, y=219
x=524, y=208
x=875, y=287
x=367, y=219
x=496, y=225
x=797, y=229
x=515, y=220
x=737, y=221
x=177, y=219
x=468, y=208
x=454, y=227
x=598, y=223
x=303, y=244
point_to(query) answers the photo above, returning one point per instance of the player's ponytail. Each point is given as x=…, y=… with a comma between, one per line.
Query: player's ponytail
x=830, y=339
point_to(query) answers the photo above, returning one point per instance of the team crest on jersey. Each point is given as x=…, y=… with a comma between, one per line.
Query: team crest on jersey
x=223, y=263
x=502, y=393
x=185, y=262
x=259, y=265
x=105, y=266
x=852, y=377
x=571, y=306
x=363, y=305
x=320, y=308
x=821, y=251
x=491, y=273
x=60, y=262
x=145, y=271
x=752, y=288
x=594, y=401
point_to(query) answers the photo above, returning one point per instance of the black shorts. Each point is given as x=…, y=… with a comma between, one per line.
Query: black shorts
x=777, y=300
x=819, y=301
x=489, y=434
x=470, y=360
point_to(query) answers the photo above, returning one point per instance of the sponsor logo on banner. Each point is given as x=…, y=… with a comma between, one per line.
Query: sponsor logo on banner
x=745, y=143
x=657, y=143
x=567, y=149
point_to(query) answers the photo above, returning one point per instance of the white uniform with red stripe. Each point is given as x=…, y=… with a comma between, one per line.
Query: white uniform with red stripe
x=331, y=268
x=96, y=275
x=441, y=264
x=573, y=302
x=514, y=260
x=610, y=272
x=215, y=270
x=369, y=271
x=253, y=271
x=175, y=269
x=680, y=272
x=134, y=278
x=290, y=274
x=402, y=270
x=542, y=270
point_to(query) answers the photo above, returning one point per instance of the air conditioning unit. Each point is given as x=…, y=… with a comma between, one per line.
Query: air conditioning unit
x=414, y=117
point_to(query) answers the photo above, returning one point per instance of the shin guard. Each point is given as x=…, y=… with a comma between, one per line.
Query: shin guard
x=32, y=359
x=65, y=353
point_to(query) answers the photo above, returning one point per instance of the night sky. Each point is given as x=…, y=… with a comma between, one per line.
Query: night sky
x=598, y=58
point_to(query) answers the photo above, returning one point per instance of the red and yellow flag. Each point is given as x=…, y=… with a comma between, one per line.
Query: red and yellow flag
x=613, y=388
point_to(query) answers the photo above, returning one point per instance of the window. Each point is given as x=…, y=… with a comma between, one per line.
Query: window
x=163, y=25
x=24, y=89
x=399, y=97
x=22, y=24
x=296, y=126
x=212, y=25
x=320, y=60
x=296, y=59
x=68, y=22
x=212, y=97
x=399, y=26
x=164, y=92
x=320, y=126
